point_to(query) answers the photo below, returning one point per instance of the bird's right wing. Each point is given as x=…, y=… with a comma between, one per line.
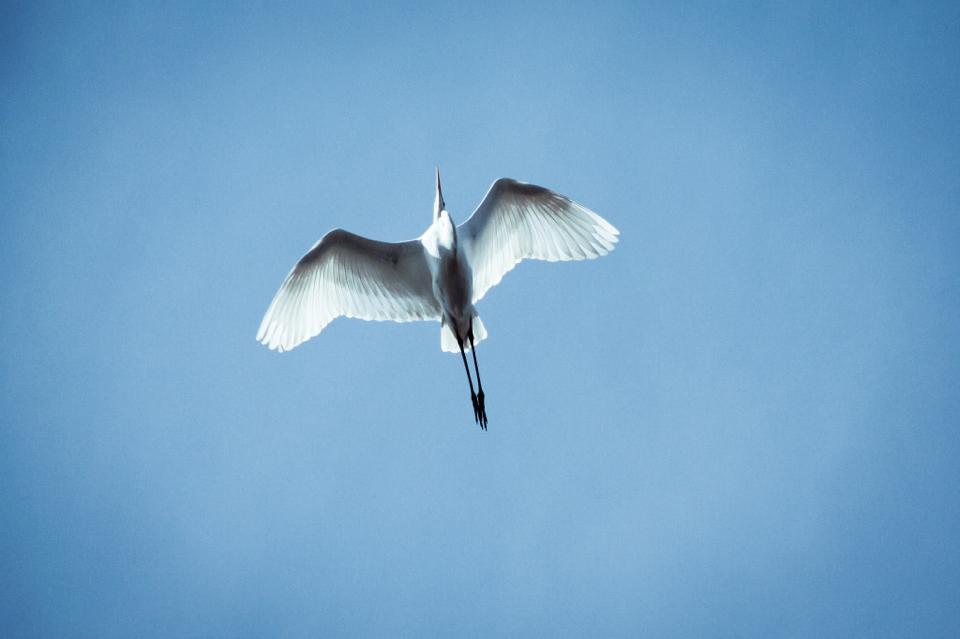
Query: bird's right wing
x=517, y=221
x=346, y=274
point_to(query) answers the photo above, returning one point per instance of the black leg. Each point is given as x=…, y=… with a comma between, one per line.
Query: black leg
x=473, y=396
x=481, y=409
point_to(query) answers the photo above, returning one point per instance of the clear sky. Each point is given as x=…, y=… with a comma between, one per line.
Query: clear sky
x=743, y=422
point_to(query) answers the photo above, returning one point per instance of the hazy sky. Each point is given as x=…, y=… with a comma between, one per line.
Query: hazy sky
x=742, y=423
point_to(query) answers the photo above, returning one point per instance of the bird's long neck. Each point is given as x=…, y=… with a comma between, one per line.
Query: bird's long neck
x=446, y=233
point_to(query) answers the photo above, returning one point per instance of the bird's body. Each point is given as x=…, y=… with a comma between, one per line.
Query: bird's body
x=451, y=275
x=439, y=276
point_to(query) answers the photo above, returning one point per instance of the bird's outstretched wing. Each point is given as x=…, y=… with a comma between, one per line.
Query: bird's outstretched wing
x=517, y=220
x=346, y=274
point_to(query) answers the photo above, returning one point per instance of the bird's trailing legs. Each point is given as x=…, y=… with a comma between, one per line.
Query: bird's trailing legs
x=473, y=395
x=482, y=409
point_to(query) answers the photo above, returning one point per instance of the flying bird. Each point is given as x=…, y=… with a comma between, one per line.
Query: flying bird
x=438, y=276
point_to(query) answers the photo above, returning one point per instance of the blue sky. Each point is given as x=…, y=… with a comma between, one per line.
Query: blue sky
x=743, y=422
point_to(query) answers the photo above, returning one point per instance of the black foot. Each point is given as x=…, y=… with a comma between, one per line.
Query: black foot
x=481, y=411
x=476, y=408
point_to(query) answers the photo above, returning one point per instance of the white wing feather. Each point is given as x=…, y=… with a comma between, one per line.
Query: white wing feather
x=348, y=275
x=518, y=221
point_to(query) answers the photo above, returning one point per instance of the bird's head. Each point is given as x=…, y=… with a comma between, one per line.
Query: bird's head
x=438, y=203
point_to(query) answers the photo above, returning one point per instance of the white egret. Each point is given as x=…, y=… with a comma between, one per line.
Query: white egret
x=440, y=275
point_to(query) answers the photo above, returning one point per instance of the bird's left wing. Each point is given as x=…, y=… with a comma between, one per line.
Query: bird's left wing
x=519, y=221
x=345, y=274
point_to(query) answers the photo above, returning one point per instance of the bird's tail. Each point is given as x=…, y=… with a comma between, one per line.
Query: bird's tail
x=448, y=341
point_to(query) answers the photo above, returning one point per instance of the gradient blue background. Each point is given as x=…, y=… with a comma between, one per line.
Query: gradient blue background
x=741, y=423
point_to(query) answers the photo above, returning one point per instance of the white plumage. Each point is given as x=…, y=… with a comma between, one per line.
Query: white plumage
x=517, y=221
x=438, y=276
x=348, y=275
